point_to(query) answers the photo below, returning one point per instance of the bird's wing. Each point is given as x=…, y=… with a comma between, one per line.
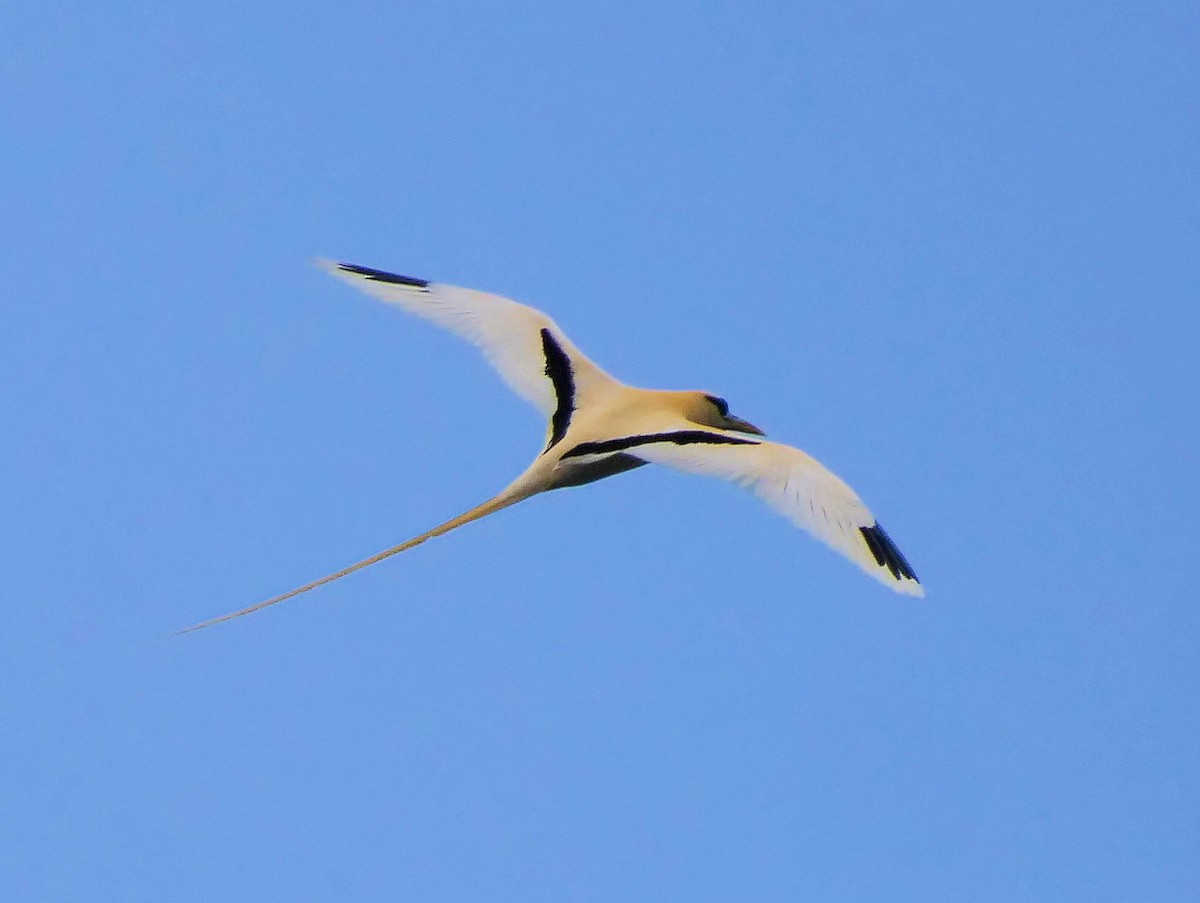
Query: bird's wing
x=799, y=488
x=528, y=349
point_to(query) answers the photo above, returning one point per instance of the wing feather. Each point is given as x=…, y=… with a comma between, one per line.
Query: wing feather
x=508, y=333
x=805, y=492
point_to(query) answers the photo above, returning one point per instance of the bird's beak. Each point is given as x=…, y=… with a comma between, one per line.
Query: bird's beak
x=743, y=426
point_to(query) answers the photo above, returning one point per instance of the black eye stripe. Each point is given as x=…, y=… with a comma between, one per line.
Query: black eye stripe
x=720, y=404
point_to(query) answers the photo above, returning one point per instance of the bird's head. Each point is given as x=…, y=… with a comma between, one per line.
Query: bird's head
x=711, y=410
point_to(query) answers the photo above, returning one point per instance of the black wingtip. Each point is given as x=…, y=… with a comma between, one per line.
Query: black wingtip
x=383, y=276
x=886, y=554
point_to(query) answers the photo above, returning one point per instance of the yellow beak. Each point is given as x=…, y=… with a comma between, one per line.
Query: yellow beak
x=743, y=426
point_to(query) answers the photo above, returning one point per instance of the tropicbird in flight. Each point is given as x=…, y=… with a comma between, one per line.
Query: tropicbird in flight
x=600, y=427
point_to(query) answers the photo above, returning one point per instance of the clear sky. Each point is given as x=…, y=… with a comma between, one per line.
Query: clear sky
x=950, y=249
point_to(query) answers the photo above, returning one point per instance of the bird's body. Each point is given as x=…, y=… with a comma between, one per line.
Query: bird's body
x=599, y=427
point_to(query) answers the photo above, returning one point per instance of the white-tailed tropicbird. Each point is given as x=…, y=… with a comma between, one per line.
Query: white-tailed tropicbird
x=600, y=427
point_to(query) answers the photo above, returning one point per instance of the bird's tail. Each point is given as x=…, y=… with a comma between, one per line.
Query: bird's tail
x=509, y=496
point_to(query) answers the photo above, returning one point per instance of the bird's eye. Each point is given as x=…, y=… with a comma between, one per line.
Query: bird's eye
x=720, y=404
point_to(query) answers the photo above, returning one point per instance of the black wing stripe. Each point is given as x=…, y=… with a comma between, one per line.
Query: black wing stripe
x=885, y=552
x=562, y=377
x=680, y=437
x=383, y=276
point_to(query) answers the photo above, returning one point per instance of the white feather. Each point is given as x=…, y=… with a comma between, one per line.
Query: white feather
x=507, y=332
x=797, y=486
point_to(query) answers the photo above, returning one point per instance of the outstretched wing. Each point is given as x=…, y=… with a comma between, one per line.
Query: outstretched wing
x=528, y=349
x=799, y=488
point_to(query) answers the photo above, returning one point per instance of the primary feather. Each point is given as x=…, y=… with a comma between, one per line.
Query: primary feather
x=804, y=491
x=508, y=333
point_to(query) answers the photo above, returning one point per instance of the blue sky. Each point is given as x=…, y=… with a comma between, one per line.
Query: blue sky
x=949, y=249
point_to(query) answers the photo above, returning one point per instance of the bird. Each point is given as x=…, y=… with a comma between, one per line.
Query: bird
x=598, y=427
